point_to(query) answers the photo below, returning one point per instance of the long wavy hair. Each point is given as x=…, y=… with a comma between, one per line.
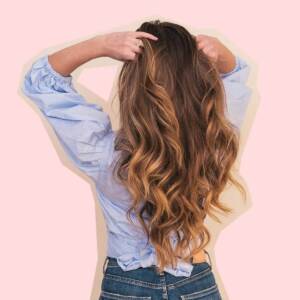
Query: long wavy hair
x=177, y=147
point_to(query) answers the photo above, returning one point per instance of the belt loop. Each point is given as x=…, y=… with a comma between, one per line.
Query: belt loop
x=104, y=264
x=208, y=257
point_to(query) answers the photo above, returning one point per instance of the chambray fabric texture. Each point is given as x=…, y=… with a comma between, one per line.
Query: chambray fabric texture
x=85, y=132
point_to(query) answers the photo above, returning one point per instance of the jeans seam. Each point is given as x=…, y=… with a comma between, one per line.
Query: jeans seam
x=119, y=296
x=192, y=278
x=206, y=292
x=133, y=281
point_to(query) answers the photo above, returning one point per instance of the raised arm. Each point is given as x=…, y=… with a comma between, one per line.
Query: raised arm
x=83, y=129
x=237, y=92
x=234, y=72
x=65, y=61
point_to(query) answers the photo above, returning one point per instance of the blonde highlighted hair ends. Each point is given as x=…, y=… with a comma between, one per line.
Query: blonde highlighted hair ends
x=176, y=146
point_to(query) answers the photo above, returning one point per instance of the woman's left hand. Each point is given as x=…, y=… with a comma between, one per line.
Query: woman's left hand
x=216, y=51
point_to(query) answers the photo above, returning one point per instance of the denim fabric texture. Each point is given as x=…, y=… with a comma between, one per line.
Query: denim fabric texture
x=148, y=284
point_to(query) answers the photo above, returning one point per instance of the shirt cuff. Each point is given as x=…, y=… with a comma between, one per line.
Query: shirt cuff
x=236, y=68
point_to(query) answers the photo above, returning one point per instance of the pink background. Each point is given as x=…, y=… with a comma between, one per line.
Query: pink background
x=53, y=238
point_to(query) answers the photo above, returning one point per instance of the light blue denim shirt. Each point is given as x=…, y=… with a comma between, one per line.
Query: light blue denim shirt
x=85, y=133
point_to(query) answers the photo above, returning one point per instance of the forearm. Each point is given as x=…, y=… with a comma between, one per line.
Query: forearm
x=65, y=61
x=226, y=61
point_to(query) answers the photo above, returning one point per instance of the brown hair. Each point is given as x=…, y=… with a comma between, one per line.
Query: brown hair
x=176, y=145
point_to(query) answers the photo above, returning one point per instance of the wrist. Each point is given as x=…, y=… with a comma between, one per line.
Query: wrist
x=97, y=46
x=226, y=62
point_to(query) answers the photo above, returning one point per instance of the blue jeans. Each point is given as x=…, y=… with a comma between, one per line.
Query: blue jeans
x=148, y=284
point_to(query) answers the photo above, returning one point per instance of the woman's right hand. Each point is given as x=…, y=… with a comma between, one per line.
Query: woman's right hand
x=122, y=46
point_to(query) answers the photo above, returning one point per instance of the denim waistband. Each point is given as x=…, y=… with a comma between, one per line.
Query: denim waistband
x=113, y=261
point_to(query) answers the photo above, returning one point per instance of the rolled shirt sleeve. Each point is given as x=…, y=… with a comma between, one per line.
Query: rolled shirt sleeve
x=83, y=129
x=237, y=93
